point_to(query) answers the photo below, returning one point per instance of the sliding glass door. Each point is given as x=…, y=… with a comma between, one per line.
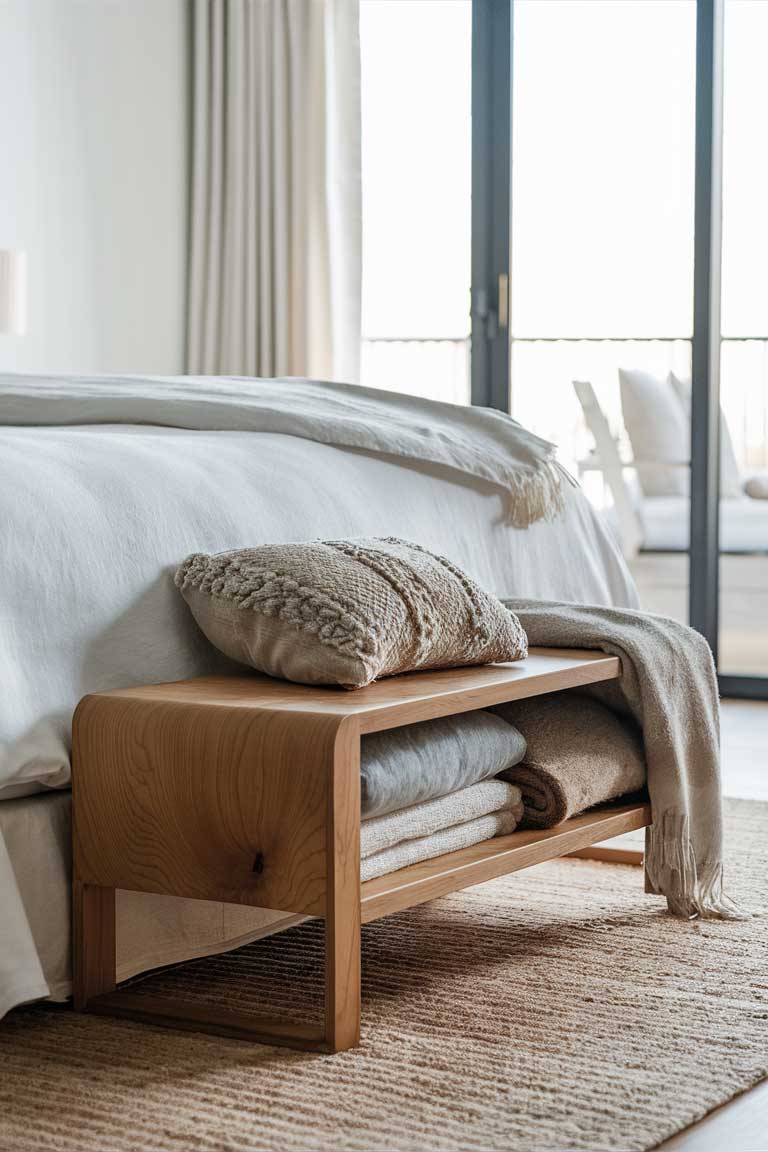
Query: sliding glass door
x=743, y=569
x=619, y=144
x=602, y=262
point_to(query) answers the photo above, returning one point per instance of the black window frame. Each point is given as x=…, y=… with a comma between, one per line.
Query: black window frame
x=492, y=88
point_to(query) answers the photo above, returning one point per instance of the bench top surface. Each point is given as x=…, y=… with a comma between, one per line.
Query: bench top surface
x=396, y=700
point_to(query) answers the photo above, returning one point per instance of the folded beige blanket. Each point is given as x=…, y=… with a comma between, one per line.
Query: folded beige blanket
x=579, y=754
x=668, y=685
x=438, y=843
x=382, y=832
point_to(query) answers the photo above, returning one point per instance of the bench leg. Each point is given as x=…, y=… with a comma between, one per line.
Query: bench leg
x=95, y=988
x=342, y=979
x=342, y=913
x=94, y=936
x=94, y=942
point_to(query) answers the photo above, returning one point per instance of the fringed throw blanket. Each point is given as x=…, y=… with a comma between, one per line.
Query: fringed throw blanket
x=668, y=685
x=579, y=753
x=479, y=442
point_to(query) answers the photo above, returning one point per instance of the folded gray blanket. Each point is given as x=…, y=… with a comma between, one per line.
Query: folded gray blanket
x=580, y=753
x=668, y=685
x=405, y=766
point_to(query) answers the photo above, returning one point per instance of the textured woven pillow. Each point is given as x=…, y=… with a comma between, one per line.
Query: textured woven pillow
x=346, y=611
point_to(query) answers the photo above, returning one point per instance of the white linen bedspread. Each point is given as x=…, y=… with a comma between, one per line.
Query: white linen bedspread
x=477, y=442
x=95, y=519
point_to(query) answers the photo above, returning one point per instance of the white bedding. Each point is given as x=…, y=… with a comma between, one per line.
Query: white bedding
x=94, y=520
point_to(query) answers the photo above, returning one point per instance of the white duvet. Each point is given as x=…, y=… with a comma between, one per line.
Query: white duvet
x=94, y=520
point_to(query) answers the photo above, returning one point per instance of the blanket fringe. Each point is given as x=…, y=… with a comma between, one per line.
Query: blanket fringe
x=534, y=494
x=670, y=870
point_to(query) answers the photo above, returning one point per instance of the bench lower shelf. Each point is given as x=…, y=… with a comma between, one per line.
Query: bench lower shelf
x=492, y=858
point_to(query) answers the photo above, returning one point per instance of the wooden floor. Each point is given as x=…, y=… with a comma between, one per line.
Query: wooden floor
x=741, y=1125
x=745, y=751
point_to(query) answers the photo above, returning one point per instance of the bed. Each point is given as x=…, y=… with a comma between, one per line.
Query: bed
x=94, y=520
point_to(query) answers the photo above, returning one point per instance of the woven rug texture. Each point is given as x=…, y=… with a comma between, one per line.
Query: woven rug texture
x=557, y=1008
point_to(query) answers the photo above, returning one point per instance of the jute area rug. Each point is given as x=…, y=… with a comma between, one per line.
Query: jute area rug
x=558, y=1008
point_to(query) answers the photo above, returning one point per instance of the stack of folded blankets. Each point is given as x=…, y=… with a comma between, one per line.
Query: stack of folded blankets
x=430, y=788
x=446, y=784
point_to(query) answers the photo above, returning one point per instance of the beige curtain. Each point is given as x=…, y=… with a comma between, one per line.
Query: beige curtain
x=275, y=248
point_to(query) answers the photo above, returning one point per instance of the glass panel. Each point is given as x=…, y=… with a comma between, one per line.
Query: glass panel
x=603, y=118
x=602, y=248
x=745, y=170
x=546, y=399
x=744, y=362
x=416, y=161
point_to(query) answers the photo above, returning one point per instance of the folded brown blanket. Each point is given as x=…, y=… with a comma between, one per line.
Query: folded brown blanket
x=580, y=753
x=668, y=686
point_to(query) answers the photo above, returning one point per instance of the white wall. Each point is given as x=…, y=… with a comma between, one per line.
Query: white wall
x=94, y=141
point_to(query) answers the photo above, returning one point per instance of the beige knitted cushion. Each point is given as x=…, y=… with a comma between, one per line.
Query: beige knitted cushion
x=346, y=611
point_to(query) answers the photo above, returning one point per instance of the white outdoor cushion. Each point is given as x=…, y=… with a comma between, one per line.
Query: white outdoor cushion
x=657, y=416
x=731, y=487
x=757, y=486
x=743, y=525
x=658, y=432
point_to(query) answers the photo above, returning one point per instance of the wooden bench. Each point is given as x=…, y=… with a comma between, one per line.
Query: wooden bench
x=247, y=790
